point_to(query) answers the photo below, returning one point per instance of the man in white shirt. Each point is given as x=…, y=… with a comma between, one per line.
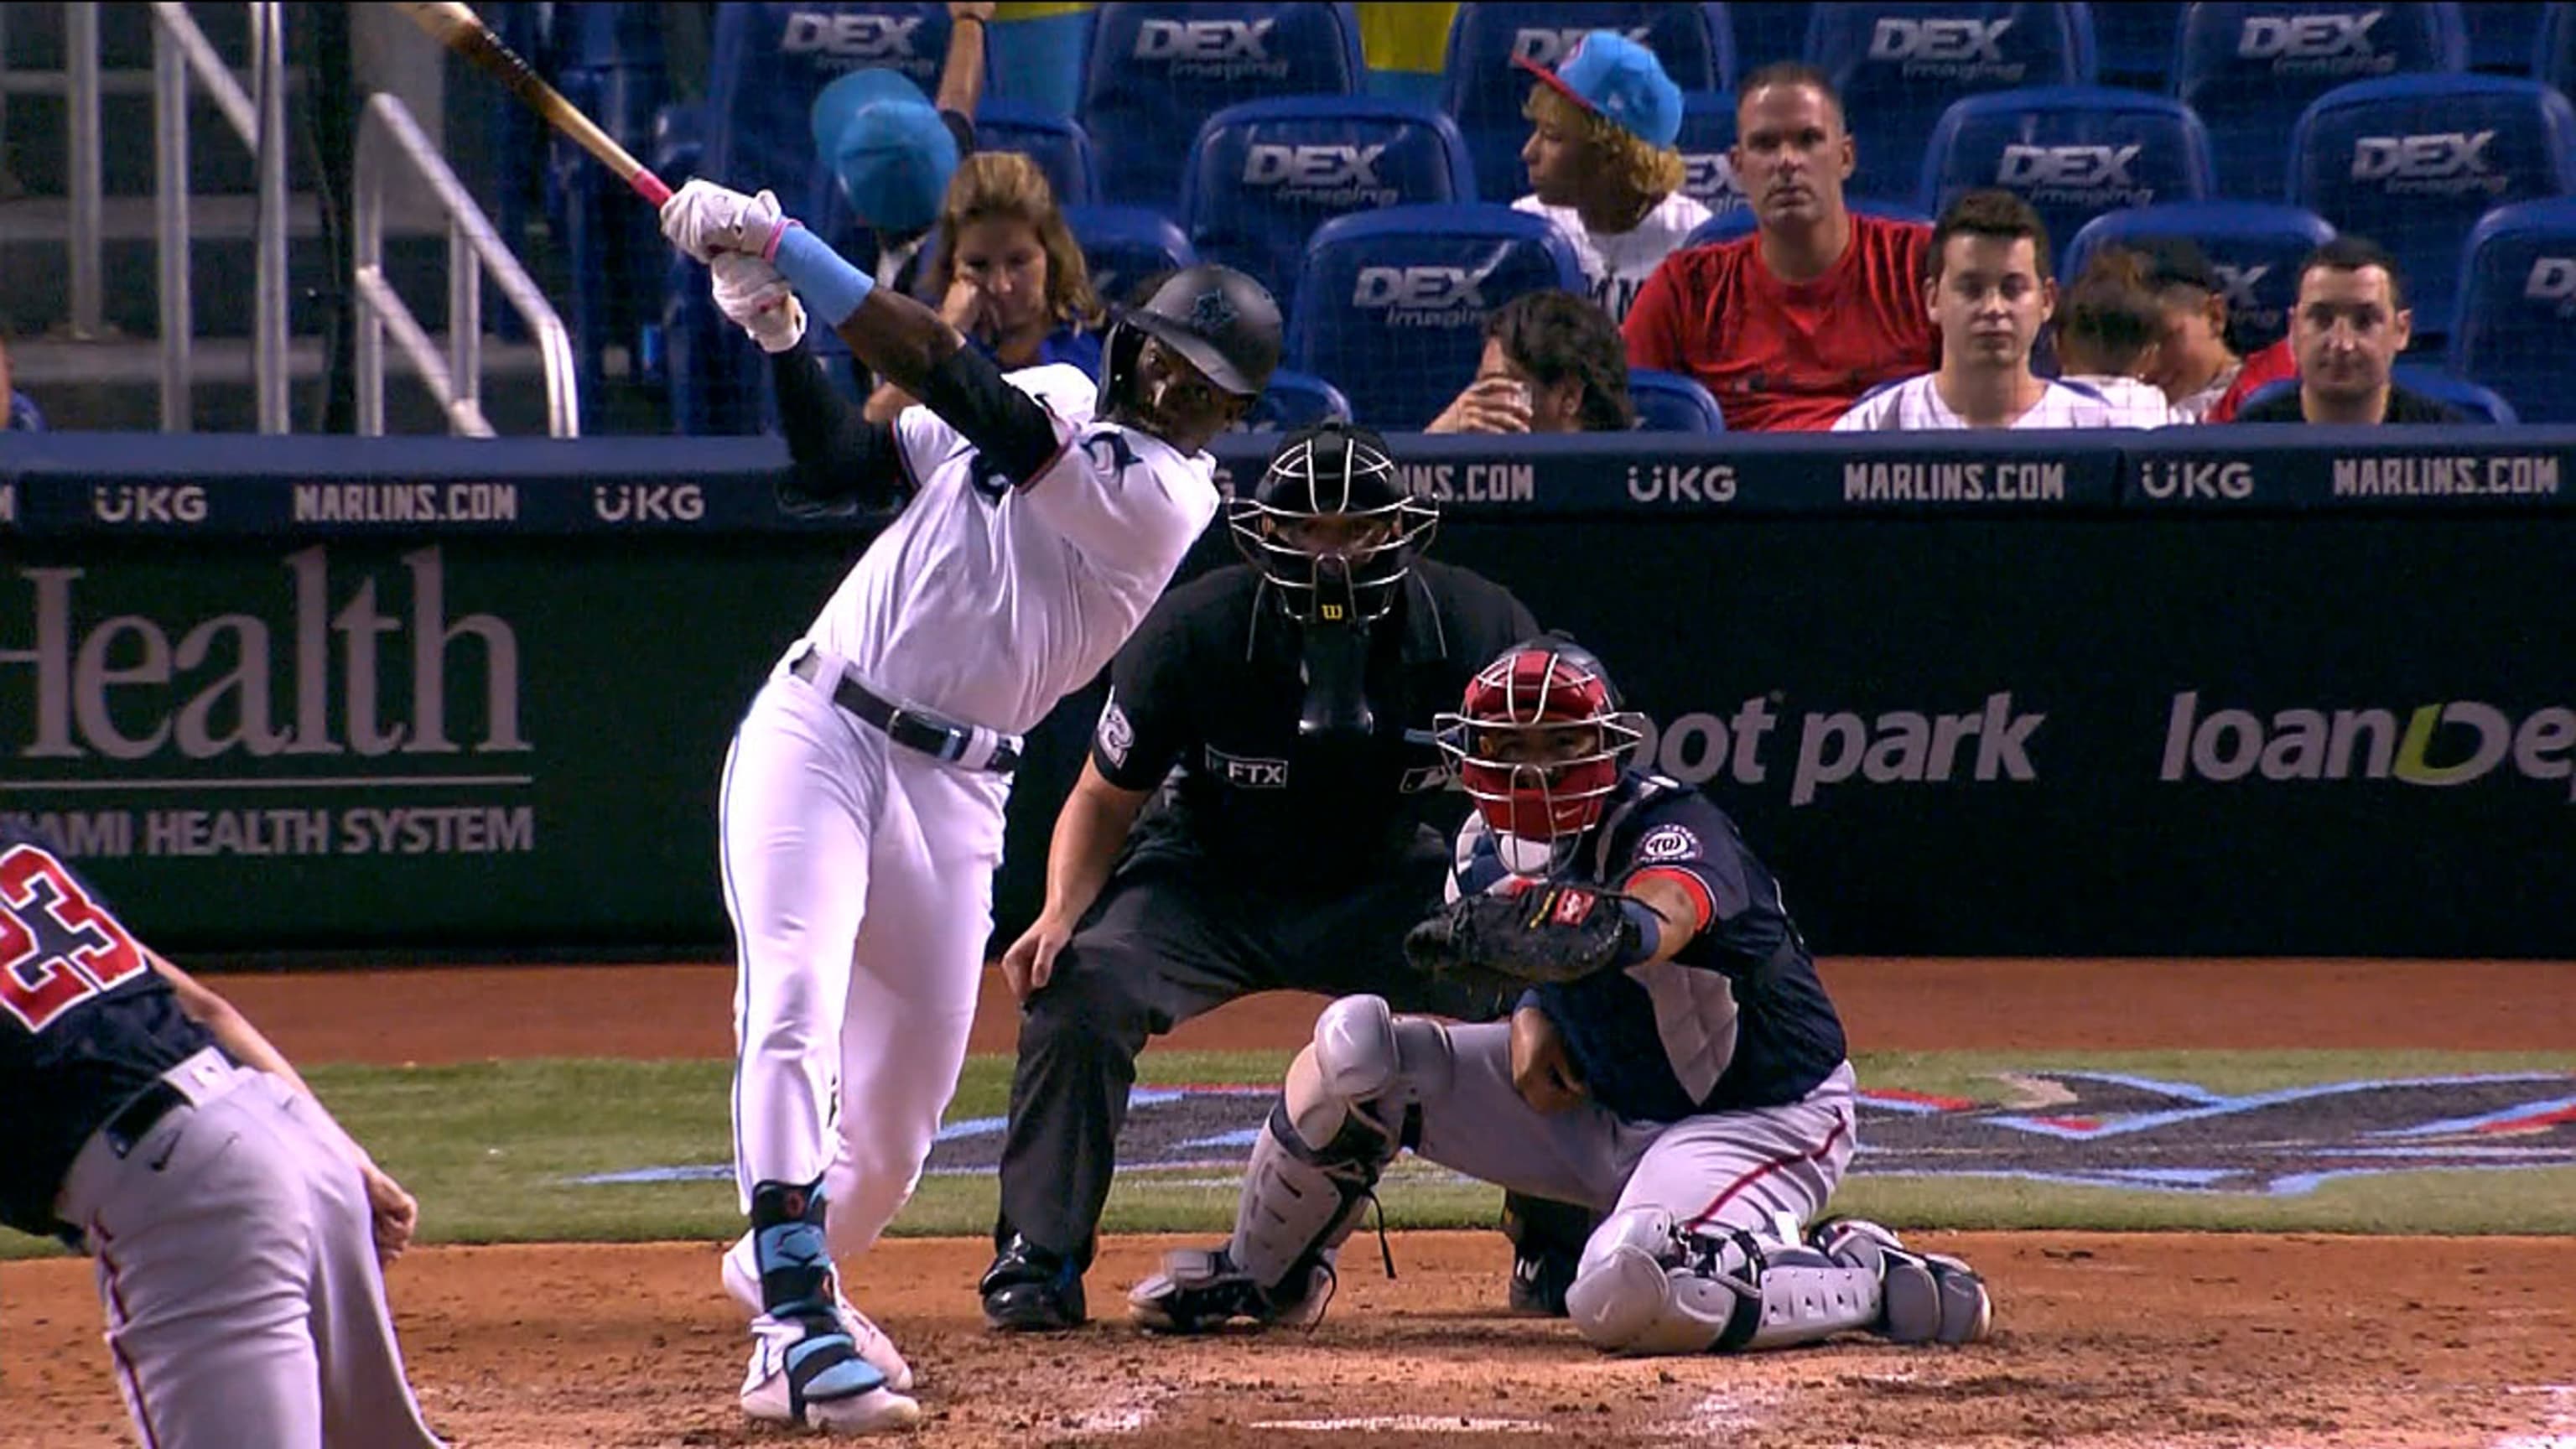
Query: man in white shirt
x=861, y=806
x=1602, y=165
x=1988, y=295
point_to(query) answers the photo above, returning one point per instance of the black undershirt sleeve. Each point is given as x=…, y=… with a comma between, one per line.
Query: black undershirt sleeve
x=1005, y=424
x=841, y=462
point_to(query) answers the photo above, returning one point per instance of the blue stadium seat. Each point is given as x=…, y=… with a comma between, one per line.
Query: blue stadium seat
x=1899, y=66
x=2248, y=70
x=1707, y=137
x=768, y=61
x=1767, y=31
x=1263, y=175
x=1123, y=245
x=2553, y=60
x=2518, y=308
x=2134, y=43
x=2412, y=163
x=1155, y=73
x=1486, y=90
x=1727, y=226
x=1294, y=400
x=1391, y=304
x=2476, y=404
x=1058, y=144
x=608, y=62
x=1668, y=402
x=2072, y=152
x=2255, y=246
x=2500, y=35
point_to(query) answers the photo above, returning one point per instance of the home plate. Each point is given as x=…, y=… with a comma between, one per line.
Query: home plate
x=1409, y=1424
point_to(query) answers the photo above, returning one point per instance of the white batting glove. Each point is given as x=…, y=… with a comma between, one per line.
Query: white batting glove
x=703, y=219
x=759, y=300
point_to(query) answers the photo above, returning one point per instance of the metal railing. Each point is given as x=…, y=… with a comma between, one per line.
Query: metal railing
x=455, y=381
x=179, y=50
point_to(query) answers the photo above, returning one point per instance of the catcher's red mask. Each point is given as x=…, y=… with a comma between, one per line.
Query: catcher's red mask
x=1540, y=741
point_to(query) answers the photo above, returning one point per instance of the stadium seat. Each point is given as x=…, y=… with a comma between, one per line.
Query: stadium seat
x=1766, y=31
x=2500, y=35
x=1727, y=226
x=2133, y=43
x=2412, y=163
x=1707, y=138
x=2072, y=152
x=2248, y=70
x=609, y=63
x=1294, y=400
x=1391, y=303
x=1263, y=175
x=2518, y=308
x=2477, y=404
x=1057, y=143
x=2553, y=60
x=1668, y=402
x=1155, y=73
x=1899, y=66
x=2255, y=246
x=768, y=61
x=1486, y=90
x=1123, y=245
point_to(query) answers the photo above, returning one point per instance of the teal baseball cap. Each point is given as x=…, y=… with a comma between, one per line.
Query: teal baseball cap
x=891, y=152
x=1615, y=78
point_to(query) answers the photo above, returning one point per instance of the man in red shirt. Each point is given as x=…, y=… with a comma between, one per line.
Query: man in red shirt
x=1789, y=326
x=2271, y=364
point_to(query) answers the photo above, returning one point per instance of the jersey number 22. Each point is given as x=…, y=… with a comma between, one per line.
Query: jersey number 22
x=58, y=948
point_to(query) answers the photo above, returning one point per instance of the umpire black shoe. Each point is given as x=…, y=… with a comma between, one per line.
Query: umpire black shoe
x=1539, y=1281
x=1030, y=1289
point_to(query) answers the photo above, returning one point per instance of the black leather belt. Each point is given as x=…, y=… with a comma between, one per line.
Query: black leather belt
x=929, y=734
x=141, y=1113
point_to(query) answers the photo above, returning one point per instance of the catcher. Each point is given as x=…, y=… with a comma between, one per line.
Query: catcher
x=1673, y=1059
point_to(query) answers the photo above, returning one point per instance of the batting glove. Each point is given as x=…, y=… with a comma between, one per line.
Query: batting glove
x=759, y=300
x=703, y=219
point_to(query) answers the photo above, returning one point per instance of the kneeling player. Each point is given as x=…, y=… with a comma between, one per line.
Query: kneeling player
x=1675, y=1060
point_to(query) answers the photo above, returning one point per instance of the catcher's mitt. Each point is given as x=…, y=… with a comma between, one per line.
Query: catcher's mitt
x=1547, y=933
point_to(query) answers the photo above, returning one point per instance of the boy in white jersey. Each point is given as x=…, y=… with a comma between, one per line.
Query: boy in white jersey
x=861, y=808
x=1602, y=166
x=1988, y=295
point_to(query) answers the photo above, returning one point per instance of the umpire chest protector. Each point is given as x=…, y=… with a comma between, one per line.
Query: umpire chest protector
x=1212, y=691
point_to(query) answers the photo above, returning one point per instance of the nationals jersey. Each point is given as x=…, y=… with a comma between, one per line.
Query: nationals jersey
x=1736, y=1019
x=1915, y=405
x=85, y=1023
x=1789, y=355
x=1617, y=264
x=987, y=602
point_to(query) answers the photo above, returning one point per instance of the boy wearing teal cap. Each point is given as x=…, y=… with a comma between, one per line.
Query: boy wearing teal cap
x=1602, y=166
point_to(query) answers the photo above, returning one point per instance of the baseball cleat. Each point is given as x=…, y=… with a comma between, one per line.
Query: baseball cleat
x=742, y=1285
x=1539, y=1281
x=808, y=1374
x=1201, y=1291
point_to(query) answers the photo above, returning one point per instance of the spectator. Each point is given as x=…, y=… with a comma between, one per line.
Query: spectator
x=2108, y=339
x=1989, y=292
x=1787, y=327
x=2268, y=366
x=23, y=414
x=1553, y=363
x=1007, y=272
x=2350, y=324
x=2193, y=363
x=1602, y=165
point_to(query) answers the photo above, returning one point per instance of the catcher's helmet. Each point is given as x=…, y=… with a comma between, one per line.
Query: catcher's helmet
x=1540, y=739
x=1331, y=524
x=1224, y=322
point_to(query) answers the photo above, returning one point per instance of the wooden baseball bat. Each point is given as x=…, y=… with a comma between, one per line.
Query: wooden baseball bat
x=462, y=31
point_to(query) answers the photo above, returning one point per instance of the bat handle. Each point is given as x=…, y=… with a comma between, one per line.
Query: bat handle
x=649, y=186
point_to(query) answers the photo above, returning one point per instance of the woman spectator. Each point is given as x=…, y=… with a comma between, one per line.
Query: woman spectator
x=1553, y=363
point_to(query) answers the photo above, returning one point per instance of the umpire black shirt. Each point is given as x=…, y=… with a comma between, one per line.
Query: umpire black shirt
x=1204, y=700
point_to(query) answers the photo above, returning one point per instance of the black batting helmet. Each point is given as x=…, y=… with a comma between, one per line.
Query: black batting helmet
x=1331, y=524
x=1224, y=322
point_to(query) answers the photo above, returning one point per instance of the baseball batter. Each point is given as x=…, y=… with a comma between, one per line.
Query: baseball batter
x=1674, y=1060
x=239, y=1233
x=862, y=799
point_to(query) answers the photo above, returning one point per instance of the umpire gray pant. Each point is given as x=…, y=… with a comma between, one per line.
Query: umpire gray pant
x=1171, y=938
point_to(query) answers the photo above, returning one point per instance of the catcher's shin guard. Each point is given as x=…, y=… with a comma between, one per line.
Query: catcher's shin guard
x=1926, y=1297
x=1648, y=1287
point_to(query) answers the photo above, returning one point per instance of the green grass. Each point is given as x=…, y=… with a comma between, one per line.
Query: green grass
x=491, y=1148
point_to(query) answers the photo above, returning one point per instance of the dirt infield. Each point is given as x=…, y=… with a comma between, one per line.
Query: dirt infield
x=2117, y=1341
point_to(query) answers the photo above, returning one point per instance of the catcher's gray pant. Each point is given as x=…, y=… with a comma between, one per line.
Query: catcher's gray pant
x=237, y=1263
x=1171, y=938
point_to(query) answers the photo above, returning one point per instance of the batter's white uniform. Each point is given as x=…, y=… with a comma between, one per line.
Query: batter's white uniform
x=859, y=872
